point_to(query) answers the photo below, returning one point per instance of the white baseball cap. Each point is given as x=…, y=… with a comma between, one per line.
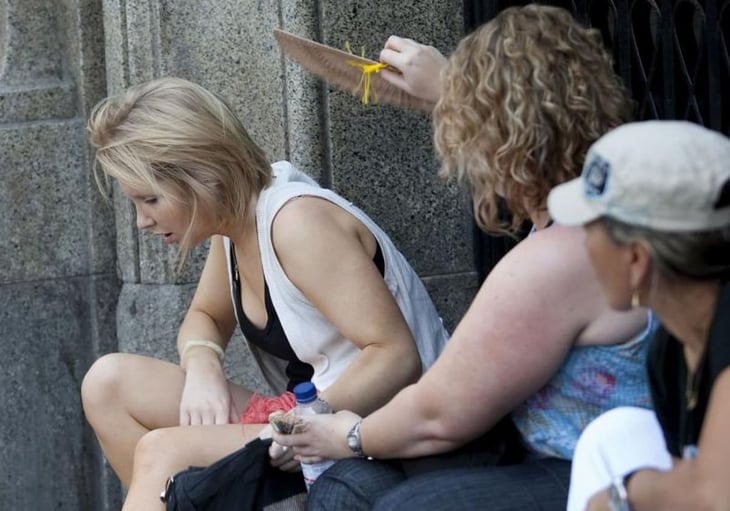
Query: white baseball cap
x=663, y=175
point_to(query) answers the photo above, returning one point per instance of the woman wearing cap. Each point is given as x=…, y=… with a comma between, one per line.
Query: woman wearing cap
x=524, y=97
x=655, y=202
x=318, y=290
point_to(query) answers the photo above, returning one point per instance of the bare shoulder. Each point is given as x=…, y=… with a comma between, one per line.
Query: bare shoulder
x=303, y=219
x=304, y=208
x=553, y=256
x=549, y=274
x=309, y=231
x=555, y=264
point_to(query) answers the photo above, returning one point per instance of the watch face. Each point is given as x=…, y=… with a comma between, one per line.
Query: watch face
x=353, y=439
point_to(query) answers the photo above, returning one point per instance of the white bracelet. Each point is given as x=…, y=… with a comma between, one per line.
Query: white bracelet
x=192, y=343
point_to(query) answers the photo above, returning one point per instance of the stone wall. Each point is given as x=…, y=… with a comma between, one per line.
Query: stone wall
x=78, y=280
x=58, y=284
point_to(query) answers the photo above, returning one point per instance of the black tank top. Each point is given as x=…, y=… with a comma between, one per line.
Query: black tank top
x=271, y=338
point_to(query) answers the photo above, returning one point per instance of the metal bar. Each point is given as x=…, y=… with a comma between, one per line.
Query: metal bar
x=712, y=41
x=667, y=39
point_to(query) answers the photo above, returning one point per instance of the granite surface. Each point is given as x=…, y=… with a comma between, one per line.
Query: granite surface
x=44, y=201
x=46, y=456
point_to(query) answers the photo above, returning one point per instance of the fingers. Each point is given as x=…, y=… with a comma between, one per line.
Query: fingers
x=207, y=417
x=222, y=415
x=266, y=433
x=281, y=456
x=399, y=52
x=399, y=43
x=233, y=416
x=184, y=417
x=393, y=58
x=291, y=466
x=395, y=79
x=283, y=439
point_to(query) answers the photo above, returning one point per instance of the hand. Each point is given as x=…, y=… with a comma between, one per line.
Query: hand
x=281, y=457
x=206, y=399
x=419, y=67
x=599, y=502
x=320, y=437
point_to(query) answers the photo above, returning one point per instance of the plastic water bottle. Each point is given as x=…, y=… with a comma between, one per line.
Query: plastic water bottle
x=309, y=404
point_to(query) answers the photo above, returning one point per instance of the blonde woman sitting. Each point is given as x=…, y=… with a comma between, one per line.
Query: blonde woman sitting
x=318, y=290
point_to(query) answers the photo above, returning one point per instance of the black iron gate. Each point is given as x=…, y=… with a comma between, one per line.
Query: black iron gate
x=674, y=56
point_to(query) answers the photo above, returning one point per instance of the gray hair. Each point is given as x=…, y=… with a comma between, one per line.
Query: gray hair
x=702, y=255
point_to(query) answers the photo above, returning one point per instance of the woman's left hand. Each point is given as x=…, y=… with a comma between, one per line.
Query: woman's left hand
x=320, y=437
x=281, y=457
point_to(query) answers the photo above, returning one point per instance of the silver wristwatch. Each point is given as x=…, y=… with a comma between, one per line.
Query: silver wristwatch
x=353, y=440
x=618, y=497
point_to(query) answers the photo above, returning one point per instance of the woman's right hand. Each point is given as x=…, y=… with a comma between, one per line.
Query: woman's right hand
x=206, y=399
x=320, y=437
x=419, y=67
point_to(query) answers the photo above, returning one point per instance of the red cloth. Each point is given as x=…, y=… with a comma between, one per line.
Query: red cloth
x=259, y=407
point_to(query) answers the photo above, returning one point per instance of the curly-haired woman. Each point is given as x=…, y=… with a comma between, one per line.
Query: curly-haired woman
x=523, y=98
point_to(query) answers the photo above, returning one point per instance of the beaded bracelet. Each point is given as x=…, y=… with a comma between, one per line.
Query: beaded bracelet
x=192, y=343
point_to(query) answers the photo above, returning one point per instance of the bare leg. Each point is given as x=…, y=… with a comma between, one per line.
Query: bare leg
x=164, y=452
x=126, y=396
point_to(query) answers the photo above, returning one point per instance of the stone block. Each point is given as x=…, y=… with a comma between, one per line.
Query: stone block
x=32, y=55
x=84, y=40
x=394, y=179
x=24, y=104
x=228, y=47
x=46, y=453
x=382, y=156
x=452, y=294
x=307, y=139
x=44, y=201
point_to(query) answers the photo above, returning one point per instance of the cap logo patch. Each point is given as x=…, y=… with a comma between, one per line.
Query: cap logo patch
x=595, y=176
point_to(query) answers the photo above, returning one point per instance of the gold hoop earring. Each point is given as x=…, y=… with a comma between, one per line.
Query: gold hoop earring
x=635, y=299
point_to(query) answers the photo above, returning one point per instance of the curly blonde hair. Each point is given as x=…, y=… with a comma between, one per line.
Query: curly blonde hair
x=525, y=95
x=175, y=133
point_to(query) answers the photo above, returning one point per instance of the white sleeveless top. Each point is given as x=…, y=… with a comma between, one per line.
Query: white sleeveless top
x=314, y=339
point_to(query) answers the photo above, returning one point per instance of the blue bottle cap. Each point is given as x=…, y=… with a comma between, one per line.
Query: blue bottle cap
x=305, y=392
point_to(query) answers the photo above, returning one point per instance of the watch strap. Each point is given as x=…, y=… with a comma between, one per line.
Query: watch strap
x=354, y=440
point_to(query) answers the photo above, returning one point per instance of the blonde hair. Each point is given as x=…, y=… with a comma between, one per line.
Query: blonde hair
x=525, y=95
x=175, y=133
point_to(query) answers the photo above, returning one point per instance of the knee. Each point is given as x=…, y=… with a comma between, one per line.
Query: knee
x=102, y=383
x=153, y=451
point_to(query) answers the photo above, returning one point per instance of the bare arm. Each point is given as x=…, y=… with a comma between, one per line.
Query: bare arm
x=419, y=67
x=323, y=252
x=515, y=335
x=206, y=399
x=210, y=314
